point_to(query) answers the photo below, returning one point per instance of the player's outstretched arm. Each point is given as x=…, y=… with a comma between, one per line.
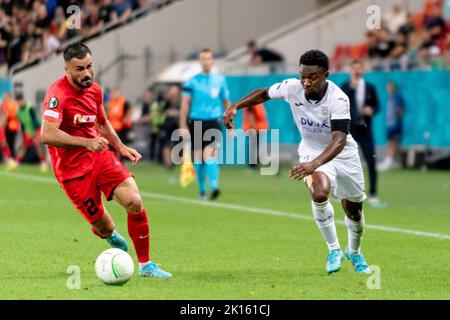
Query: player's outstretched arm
x=338, y=141
x=107, y=131
x=53, y=136
x=255, y=97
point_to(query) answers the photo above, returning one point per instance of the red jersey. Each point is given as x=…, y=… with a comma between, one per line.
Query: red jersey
x=77, y=111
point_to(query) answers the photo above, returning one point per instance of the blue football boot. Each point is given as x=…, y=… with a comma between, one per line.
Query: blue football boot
x=152, y=270
x=117, y=241
x=334, y=260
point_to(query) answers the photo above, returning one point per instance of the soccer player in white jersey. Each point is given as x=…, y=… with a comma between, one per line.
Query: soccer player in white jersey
x=329, y=159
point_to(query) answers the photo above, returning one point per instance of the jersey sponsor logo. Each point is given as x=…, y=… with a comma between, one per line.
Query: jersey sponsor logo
x=79, y=119
x=53, y=103
x=51, y=113
x=311, y=123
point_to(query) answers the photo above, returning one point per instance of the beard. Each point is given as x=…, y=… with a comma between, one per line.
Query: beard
x=85, y=83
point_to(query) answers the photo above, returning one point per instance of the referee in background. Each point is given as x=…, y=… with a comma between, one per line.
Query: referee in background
x=364, y=106
x=201, y=107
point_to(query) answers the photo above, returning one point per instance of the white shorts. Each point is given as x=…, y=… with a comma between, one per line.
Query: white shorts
x=346, y=177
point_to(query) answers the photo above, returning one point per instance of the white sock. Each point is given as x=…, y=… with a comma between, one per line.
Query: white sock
x=324, y=216
x=355, y=231
x=142, y=264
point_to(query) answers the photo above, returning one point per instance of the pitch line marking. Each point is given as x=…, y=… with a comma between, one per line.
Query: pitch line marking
x=241, y=208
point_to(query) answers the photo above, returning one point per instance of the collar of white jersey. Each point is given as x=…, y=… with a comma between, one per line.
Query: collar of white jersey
x=316, y=102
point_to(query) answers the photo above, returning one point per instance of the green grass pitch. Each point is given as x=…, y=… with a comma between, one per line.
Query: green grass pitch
x=248, y=245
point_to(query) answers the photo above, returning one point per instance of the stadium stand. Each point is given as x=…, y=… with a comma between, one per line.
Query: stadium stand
x=32, y=30
x=405, y=41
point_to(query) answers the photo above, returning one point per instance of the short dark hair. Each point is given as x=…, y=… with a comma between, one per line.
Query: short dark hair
x=356, y=61
x=206, y=50
x=76, y=50
x=315, y=58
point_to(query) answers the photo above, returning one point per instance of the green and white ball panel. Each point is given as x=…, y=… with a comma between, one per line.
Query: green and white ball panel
x=114, y=266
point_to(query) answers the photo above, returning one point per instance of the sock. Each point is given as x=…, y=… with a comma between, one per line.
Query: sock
x=200, y=170
x=324, y=215
x=212, y=166
x=141, y=265
x=19, y=160
x=140, y=234
x=355, y=231
x=6, y=151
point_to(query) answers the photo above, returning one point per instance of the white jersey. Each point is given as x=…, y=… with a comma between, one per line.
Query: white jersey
x=313, y=119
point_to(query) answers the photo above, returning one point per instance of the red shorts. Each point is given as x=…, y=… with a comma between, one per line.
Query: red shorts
x=2, y=135
x=85, y=192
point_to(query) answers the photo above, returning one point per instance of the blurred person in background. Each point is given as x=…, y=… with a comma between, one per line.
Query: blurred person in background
x=260, y=55
x=15, y=43
x=394, y=114
x=395, y=18
x=3, y=59
x=12, y=125
x=204, y=95
x=119, y=112
x=123, y=9
x=31, y=133
x=152, y=114
x=50, y=42
x=4, y=147
x=171, y=122
x=107, y=13
x=254, y=123
x=157, y=117
x=363, y=106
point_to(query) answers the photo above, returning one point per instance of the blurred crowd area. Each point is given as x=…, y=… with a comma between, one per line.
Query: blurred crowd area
x=33, y=29
x=155, y=115
x=405, y=41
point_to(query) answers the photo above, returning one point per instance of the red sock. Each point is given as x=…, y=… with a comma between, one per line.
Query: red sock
x=6, y=151
x=140, y=234
x=19, y=160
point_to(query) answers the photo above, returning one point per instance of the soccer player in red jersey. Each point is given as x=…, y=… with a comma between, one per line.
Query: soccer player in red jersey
x=77, y=132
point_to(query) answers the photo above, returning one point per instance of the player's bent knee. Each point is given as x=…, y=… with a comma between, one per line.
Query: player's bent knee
x=320, y=196
x=353, y=210
x=135, y=205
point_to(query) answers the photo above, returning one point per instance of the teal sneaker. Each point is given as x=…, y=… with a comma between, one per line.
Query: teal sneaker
x=152, y=270
x=117, y=241
x=334, y=261
x=358, y=261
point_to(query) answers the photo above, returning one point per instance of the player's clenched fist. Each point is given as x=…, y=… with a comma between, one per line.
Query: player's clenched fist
x=96, y=144
x=130, y=153
x=228, y=117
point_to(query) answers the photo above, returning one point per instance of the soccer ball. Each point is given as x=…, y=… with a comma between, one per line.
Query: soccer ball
x=114, y=266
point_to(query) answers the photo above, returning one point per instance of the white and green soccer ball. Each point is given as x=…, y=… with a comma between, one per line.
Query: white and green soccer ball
x=114, y=266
